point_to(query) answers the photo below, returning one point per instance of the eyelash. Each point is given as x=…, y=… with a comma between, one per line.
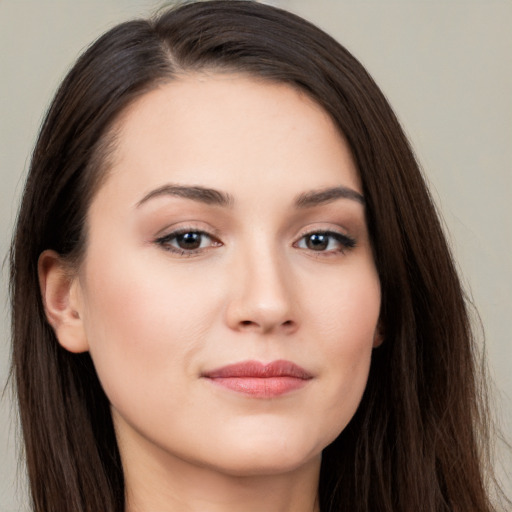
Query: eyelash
x=346, y=243
x=165, y=241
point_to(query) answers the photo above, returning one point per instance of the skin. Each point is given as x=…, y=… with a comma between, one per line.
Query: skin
x=155, y=316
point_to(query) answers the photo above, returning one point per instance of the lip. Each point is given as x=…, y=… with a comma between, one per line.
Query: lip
x=260, y=380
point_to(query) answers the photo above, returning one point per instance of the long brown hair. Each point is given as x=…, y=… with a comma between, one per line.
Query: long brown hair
x=418, y=440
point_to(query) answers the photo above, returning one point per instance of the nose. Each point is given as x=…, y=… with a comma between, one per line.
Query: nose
x=262, y=298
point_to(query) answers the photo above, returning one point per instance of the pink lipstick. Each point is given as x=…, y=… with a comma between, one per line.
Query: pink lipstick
x=260, y=380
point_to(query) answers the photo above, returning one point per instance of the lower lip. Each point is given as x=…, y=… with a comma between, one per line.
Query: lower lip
x=261, y=387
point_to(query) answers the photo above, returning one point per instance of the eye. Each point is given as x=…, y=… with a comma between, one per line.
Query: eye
x=325, y=241
x=187, y=241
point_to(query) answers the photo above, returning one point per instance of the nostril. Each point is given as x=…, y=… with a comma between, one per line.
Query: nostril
x=288, y=325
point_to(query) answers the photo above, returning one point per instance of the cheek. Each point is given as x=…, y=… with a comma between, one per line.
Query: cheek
x=345, y=319
x=144, y=324
x=346, y=310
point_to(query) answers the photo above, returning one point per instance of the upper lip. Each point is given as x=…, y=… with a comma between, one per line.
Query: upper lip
x=256, y=369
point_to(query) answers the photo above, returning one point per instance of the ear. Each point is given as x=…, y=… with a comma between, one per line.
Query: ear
x=378, y=337
x=61, y=300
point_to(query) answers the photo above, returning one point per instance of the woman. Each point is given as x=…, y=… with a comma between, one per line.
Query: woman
x=230, y=288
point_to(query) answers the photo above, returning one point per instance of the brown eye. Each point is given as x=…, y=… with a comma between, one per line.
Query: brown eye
x=189, y=241
x=317, y=241
x=326, y=241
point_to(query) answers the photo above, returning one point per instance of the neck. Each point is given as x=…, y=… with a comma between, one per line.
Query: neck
x=155, y=485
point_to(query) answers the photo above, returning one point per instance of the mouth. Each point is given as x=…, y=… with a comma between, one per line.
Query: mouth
x=260, y=380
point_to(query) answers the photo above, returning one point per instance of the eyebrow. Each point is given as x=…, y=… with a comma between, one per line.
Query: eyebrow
x=327, y=195
x=215, y=197
x=196, y=193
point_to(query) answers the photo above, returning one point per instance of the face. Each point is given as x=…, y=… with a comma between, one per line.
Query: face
x=228, y=295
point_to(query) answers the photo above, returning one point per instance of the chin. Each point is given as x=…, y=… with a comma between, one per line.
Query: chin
x=267, y=455
x=277, y=464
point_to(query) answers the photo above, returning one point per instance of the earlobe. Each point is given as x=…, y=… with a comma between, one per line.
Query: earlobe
x=60, y=295
x=378, y=337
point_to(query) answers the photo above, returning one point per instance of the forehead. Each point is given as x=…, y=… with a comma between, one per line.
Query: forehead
x=220, y=130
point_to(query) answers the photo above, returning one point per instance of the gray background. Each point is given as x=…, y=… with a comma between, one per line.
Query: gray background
x=445, y=67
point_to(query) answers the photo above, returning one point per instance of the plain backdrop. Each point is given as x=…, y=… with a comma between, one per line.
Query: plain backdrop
x=445, y=66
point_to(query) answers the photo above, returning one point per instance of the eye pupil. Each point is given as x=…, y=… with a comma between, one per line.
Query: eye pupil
x=317, y=241
x=189, y=240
